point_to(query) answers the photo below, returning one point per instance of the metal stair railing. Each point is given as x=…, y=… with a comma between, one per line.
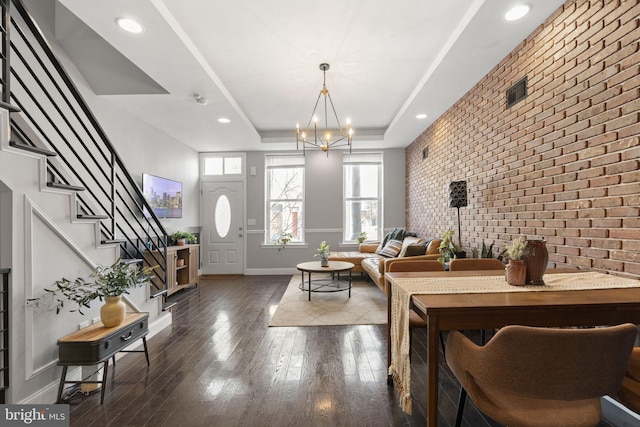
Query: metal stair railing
x=54, y=119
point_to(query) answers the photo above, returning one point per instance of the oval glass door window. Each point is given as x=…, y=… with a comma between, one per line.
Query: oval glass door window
x=223, y=216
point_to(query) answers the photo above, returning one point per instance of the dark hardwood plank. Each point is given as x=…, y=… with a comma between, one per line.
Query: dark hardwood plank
x=220, y=364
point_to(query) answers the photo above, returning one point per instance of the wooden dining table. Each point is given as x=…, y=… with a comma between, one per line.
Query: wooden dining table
x=475, y=311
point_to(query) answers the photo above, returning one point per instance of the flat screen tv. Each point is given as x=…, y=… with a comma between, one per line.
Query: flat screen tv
x=163, y=195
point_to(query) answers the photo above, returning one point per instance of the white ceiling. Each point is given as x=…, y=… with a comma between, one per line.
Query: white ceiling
x=256, y=62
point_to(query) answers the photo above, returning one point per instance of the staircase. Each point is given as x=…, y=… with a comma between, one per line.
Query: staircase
x=49, y=119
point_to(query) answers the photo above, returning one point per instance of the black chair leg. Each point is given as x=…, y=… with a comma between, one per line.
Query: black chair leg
x=461, y=400
x=442, y=344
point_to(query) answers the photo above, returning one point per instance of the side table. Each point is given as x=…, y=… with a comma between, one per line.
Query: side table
x=97, y=344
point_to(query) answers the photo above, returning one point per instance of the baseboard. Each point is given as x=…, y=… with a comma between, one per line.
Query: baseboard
x=49, y=393
x=617, y=414
x=270, y=271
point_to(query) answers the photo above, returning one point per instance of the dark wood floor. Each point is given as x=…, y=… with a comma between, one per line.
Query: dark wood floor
x=220, y=364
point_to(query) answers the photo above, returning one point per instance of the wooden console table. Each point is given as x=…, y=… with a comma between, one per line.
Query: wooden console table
x=97, y=344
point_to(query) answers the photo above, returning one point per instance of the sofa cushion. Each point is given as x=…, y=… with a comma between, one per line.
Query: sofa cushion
x=409, y=242
x=417, y=249
x=391, y=249
x=368, y=247
x=433, y=247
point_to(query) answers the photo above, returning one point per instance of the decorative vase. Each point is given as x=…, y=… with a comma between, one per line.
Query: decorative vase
x=113, y=311
x=536, y=258
x=516, y=273
x=324, y=262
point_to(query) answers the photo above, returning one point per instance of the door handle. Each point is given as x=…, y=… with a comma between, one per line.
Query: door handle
x=240, y=235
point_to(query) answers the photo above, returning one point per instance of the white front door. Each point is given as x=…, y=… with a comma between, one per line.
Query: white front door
x=222, y=239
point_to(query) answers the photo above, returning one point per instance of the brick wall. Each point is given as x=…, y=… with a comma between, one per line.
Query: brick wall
x=563, y=163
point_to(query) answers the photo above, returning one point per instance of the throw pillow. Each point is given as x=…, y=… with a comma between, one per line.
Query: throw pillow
x=385, y=240
x=406, y=243
x=417, y=249
x=391, y=249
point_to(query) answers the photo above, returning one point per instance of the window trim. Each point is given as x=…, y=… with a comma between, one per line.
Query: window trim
x=268, y=200
x=346, y=162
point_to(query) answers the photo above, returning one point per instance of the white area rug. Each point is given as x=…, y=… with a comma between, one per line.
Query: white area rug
x=367, y=306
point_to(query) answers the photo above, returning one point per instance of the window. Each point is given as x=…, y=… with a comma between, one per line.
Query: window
x=285, y=197
x=222, y=165
x=362, y=195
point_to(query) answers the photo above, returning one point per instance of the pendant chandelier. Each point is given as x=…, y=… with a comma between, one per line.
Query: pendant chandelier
x=324, y=137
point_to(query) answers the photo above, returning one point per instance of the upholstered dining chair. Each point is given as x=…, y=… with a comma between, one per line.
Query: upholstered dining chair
x=468, y=264
x=527, y=376
x=629, y=393
x=411, y=265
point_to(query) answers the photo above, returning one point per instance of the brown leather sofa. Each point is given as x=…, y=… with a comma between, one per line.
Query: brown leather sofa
x=367, y=260
x=366, y=250
x=377, y=266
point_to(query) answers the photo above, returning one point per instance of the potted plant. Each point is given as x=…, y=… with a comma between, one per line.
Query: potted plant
x=448, y=249
x=180, y=238
x=362, y=236
x=109, y=283
x=282, y=240
x=516, y=271
x=323, y=252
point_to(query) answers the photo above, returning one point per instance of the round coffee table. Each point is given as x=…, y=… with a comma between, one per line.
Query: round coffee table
x=331, y=284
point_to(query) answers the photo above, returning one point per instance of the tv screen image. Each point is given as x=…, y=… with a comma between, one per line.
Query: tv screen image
x=163, y=195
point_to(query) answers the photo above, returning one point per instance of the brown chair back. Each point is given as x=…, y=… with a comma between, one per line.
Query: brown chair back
x=629, y=393
x=409, y=265
x=466, y=264
x=545, y=363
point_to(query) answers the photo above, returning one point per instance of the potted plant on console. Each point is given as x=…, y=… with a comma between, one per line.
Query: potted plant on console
x=181, y=238
x=516, y=271
x=109, y=283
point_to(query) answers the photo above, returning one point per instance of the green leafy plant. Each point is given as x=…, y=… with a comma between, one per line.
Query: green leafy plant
x=515, y=251
x=448, y=249
x=323, y=250
x=362, y=236
x=282, y=240
x=487, y=251
x=188, y=237
x=113, y=280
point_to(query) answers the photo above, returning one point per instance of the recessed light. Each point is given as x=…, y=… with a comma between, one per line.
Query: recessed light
x=421, y=116
x=224, y=120
x=129, y=25
x=517, y=12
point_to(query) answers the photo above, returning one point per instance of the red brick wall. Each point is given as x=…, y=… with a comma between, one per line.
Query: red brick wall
x=563, y=163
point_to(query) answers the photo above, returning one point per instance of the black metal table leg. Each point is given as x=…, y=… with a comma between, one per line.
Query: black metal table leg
x=104, y=380
x=61, y=386
x=146, y=350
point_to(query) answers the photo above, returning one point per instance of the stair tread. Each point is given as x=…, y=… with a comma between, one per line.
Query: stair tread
x=169, y=305
x=62, y=186
x=88, y=216
x=111, y=241
x=9, y=107
x=32, y=149
x=157, y=293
